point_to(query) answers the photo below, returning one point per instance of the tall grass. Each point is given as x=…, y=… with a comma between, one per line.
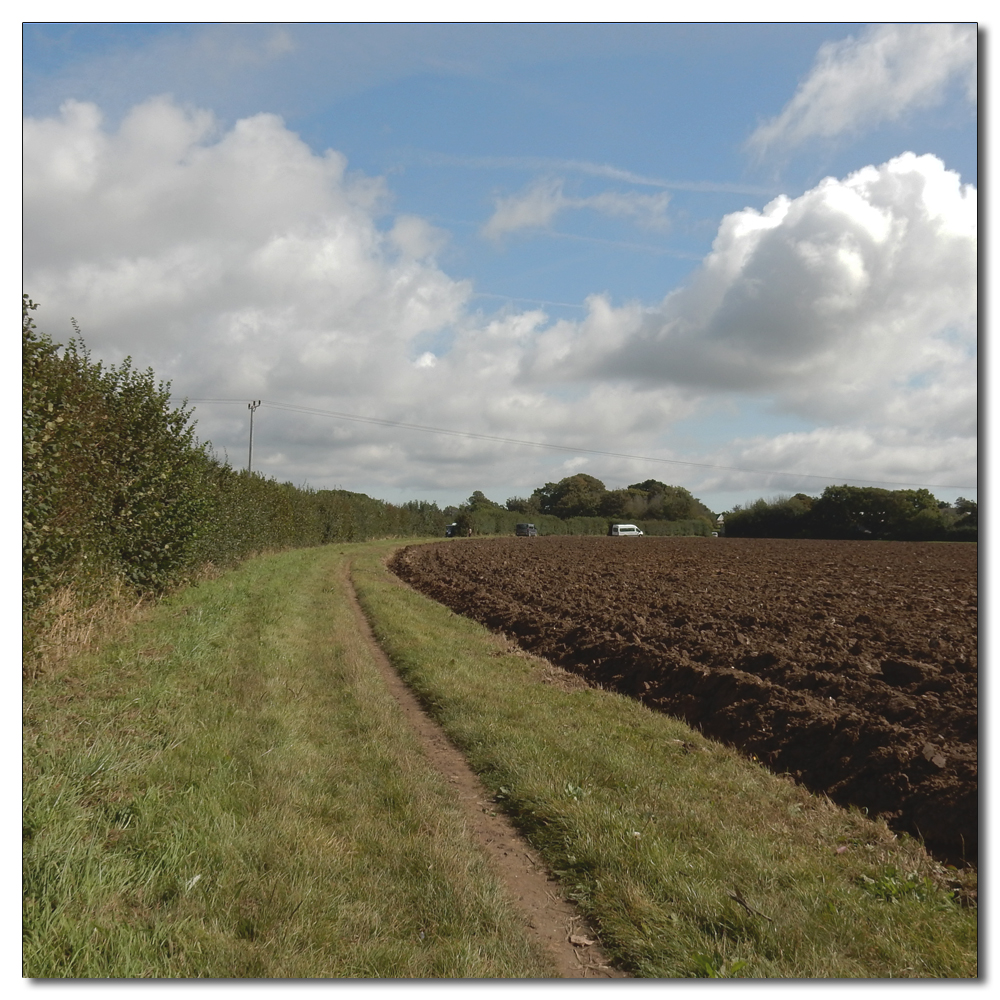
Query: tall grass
x=229, y=791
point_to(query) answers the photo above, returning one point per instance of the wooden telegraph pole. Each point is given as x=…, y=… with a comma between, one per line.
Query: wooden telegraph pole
x=252, y=407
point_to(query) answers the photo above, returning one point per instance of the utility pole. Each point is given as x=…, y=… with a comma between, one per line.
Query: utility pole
x=252, y=408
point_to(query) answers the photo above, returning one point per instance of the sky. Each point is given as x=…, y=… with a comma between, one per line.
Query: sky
x=447, y=257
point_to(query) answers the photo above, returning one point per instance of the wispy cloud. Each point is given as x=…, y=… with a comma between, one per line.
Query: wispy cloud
x=537, y=205
x=625, y=245
x=535, y=302
x=533, y=208
x=859, y=83
x=552, y=166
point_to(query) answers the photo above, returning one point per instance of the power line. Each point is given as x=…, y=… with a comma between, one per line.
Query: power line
x=473, y=435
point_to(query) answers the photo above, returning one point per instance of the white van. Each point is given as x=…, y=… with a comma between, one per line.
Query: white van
x=625, y=530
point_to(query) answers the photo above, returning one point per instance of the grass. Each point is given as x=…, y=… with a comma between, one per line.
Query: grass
x=691, y=861
x=230, y=792
x=227, y=790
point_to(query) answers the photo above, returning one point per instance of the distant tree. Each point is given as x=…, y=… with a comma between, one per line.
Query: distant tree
x=523, y=505
x=424, y=517
x=968, y=511
x=872, y=512
x=960, y=520
x=479, y=501
x=668, y=503
x=782, y=517
x=850, y=512
x=623, y=504
x=575, y=496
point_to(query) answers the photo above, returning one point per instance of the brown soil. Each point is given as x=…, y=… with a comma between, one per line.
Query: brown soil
x=556, y=923
x=850, y=665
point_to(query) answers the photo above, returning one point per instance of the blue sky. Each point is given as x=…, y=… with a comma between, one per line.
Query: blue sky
x=742, y=255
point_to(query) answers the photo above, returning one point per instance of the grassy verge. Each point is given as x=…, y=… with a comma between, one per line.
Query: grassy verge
x=229, y=791
x=690, y=860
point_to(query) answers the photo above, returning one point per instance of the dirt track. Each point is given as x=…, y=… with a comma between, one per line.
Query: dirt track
x=851, y=665
x=555, y=921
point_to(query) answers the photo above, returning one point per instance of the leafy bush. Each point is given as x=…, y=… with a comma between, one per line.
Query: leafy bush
x=113, y=479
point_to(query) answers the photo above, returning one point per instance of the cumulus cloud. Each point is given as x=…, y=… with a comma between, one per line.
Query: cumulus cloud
x=851, y=305
x=854, y=282
x=175, y=242
x=877, y=453
x=858, y=83
x=241, y=264
x=538, y=204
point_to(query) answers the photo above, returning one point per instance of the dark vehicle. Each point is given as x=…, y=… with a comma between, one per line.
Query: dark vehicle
x=450, y=530
x=525, y=530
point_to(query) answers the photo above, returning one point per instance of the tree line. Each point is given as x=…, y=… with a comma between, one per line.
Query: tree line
x=115, y=485
x=860, y=512
x=582, y=505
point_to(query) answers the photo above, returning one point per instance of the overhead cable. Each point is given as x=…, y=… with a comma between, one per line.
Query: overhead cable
x=473, y=435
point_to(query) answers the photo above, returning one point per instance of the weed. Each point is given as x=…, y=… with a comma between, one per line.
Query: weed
x=714, y=967
x=892, y=886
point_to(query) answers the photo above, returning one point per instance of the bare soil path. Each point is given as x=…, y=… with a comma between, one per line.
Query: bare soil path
x=556, y=922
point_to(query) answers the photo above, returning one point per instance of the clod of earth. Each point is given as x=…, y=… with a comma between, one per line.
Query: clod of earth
x=850, y=665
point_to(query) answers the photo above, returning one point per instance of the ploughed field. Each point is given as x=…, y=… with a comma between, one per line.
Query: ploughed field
x=850, y=665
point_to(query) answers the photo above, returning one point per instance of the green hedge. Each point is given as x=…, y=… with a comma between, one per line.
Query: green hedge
x=497, y=521
x=113, y=481
x=859, y=512
x=116, y=486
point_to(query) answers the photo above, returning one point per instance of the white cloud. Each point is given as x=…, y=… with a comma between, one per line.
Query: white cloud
x=538, y=204
x=241, y=264
x=858, y=83
x=851, y=281
x=535, y=207
x=416, y=238
x=877, y=453
x=649, y=210
x=853, y=305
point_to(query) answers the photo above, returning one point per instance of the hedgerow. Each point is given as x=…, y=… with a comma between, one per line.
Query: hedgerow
x=860, y=512
x=116, y=487
x=118, y=493
x=113, y=479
